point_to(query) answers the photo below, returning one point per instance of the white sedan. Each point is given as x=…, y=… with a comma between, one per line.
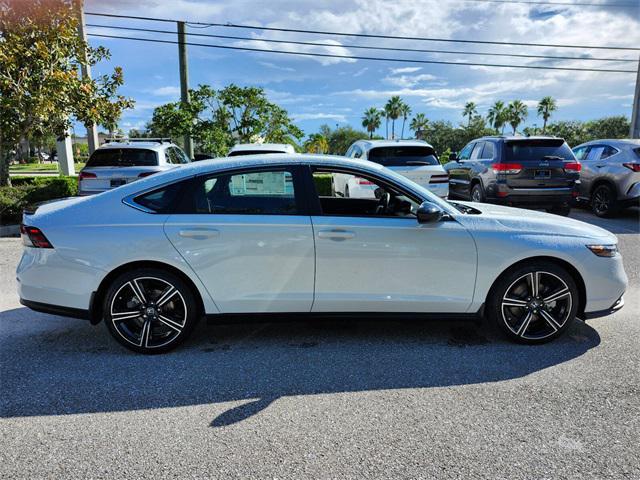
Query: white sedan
x=267, y=235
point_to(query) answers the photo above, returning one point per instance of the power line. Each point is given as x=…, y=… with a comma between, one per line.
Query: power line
x=562, y=4
x=365, y=35
x=368, y=47
x=355, y=57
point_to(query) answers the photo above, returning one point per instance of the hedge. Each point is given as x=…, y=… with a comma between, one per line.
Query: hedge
x=323, y=184
x=29, y=190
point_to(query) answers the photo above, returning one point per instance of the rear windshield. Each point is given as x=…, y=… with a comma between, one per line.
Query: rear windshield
x=123, y=157
x=251, y=152
x=401, y=156
x=536, y=150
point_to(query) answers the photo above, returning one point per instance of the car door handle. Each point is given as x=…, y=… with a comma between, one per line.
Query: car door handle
x=336, y=234
x=199, y=233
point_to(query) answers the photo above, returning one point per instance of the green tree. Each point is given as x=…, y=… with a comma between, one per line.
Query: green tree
x=393, y=111
x=419, y=123
x=546, y=107
x=497, y=116
x=371, y=120
x=516, y=114
x=405, y=111
x=316, y=143
x=216, y=119
x=341, y=138
x=41, y=91
x=470, y=109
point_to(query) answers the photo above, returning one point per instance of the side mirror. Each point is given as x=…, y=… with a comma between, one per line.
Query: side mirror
x=453, y=157
x=429, y=213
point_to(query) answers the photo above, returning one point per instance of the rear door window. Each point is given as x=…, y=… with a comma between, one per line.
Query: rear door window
x=595, y=152
x=487, y=151
x=537, y=150
x=475, y=154
x=123, y=157
x=402, y=156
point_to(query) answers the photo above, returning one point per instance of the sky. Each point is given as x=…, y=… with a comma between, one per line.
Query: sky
x=337, y=91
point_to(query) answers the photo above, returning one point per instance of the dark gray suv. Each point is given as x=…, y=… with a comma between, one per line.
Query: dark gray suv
x=534, y=172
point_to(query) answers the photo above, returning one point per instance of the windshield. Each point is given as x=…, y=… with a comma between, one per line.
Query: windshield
x=400, y=156
x=536, y=150
x=123, y=157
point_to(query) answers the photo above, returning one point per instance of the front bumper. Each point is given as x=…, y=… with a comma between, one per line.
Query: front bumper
x=607, y=311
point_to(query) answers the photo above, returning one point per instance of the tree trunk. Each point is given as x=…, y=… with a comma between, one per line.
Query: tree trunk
x=5, y=179
x=544, y=126
x=386, y=133
x=393, y=129
x=402, y=133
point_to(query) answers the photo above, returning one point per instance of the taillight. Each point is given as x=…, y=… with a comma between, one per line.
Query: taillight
x=508, y=168
x=632, y=166
x=573, y=166
x=86, y=175
x=362, y=181
x=146, y=174
x=33, y=237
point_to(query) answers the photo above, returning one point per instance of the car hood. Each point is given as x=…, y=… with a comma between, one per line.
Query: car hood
x=532, y=222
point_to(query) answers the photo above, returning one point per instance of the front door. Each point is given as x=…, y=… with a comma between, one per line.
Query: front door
x=247, y=237
x=373, y=256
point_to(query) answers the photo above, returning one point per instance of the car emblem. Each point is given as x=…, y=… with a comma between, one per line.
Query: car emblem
x=544, y=163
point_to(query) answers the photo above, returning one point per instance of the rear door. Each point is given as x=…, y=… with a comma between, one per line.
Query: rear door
x=458, y=172
x=112, y=167
x=541, y=162
x=416, y=162
x=248, y=237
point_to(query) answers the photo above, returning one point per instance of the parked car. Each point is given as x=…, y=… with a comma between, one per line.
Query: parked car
x=222, y=237
x=610, y=177
x=414, y=159
x=535, y=172
x=117, y=163
x=260, y=148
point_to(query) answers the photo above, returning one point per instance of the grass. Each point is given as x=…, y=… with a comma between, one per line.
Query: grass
x=39, y=167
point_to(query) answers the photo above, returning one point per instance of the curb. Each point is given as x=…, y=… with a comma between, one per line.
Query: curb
x=9, y=230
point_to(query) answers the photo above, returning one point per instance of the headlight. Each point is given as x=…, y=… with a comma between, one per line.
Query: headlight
x=604, y=250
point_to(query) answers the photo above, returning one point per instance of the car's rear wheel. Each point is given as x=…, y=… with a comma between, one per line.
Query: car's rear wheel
x=534, y=303
x=477, y=194
x=150, y=310
x=603, y=201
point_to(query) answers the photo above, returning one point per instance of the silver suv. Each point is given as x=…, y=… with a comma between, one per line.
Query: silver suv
x=124, y=161
x=610, y=177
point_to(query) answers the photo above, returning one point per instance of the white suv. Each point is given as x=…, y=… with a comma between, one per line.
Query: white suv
x=126, y=160
x=414, y=159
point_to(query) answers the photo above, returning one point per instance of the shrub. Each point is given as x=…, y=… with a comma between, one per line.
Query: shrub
x=323, y=184
x=29, y=190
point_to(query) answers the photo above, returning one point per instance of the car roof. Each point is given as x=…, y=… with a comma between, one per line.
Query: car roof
x=284, y=147
x=613, y=141
x=369, y=144
x=146, y=145
x=515, y=138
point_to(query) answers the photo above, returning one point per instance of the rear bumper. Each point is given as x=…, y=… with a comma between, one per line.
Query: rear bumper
x=533, y=200
x=56, y=309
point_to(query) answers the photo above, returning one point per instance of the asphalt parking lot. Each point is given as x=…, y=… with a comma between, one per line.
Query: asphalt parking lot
x=323, y=400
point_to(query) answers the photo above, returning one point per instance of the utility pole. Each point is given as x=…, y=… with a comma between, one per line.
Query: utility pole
x=92, y=129
x=635, y=112
x=184, y=80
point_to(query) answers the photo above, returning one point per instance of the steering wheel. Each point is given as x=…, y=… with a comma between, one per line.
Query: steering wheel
x=383, y=203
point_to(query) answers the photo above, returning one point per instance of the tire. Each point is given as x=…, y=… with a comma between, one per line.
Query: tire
x=533, y=319
x=563, y=210
x=603, y=201
x=477, y=194
x=150, y=310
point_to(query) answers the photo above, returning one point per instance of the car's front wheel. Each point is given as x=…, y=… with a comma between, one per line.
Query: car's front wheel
x=150, y=310
x=534, y=303
x=603, y=201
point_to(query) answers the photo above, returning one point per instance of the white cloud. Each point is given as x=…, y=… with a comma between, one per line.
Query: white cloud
x=338, y=117
x=397, y=71
x=277, y=67
x=360, y=72
x=409, y=80
x=168, y=91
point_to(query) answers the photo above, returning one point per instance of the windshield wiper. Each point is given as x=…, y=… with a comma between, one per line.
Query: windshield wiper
x=552, y=157
x=416, y=162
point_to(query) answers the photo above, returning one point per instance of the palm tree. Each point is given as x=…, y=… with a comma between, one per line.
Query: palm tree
x=371, y=120
x=316, y=143
x=405, y=111
x=392, y=110
x=418, y=123
x=545, y=107
x=496, y=115
x=470, y=109
x=516, y=114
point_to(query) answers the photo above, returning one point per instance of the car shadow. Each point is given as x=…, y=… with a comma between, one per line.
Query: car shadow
x=626, y=221
x=56, y=366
